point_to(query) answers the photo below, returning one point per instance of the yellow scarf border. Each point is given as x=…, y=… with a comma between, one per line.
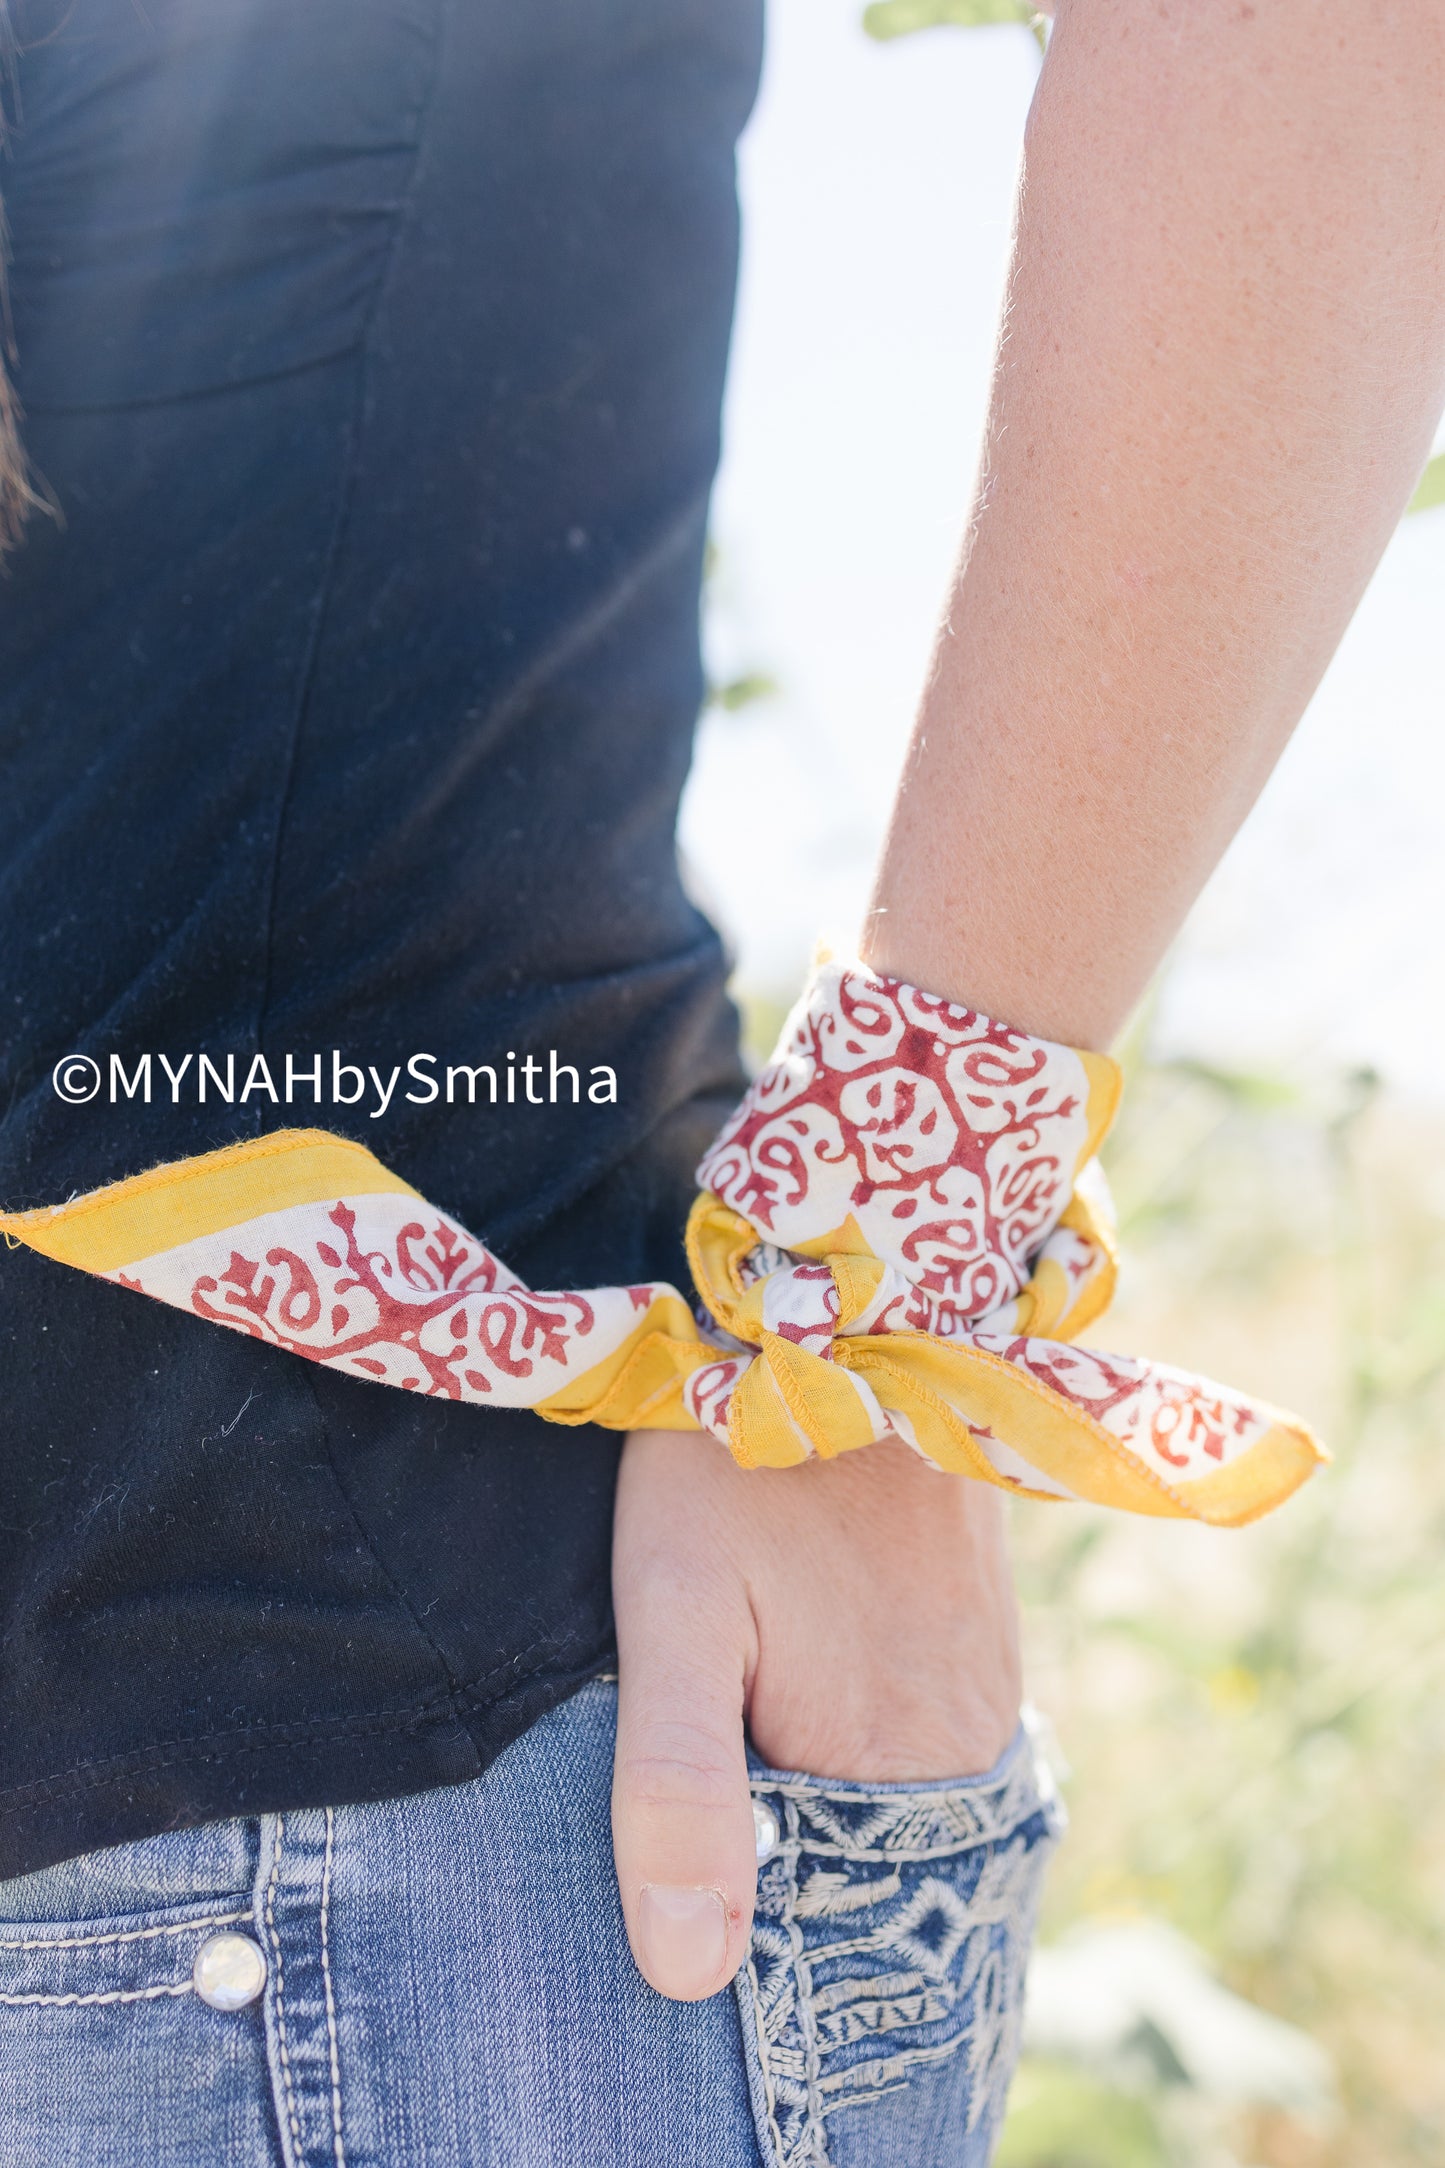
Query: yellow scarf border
x=788, y=1400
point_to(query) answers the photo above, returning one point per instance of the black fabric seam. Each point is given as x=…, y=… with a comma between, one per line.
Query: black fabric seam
x=231, y=1731
x=278, y=1736
x=156, y=401
x=473, y=1691
x=454, y=1686
x=340, y=527
x=208, y=1746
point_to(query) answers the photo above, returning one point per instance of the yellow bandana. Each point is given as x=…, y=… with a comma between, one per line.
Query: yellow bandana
x=901, y=1231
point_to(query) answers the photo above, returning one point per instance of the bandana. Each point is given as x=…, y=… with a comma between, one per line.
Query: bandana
x=901, y=1231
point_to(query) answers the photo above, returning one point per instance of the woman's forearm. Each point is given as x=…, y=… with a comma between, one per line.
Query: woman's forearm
x=1222, y=361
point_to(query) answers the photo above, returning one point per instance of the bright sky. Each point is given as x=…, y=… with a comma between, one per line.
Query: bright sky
x=877, y=184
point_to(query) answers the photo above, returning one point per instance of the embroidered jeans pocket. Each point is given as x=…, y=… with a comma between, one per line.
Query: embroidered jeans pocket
x=883, y=1992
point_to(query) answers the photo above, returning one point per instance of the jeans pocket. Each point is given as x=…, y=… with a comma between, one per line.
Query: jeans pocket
x=130, y=2011
x=883, y=1992
x=130, y=1958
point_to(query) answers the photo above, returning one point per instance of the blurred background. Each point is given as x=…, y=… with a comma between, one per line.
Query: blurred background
x=1243, y=1956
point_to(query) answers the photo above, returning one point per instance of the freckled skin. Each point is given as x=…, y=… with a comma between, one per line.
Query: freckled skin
x=1193, y=461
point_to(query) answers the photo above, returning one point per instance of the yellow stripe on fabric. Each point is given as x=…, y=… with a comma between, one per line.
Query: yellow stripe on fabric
x=1260, y=1479
x=1106, y=1089
x=848, y=1240
x=1049, y=1308
x=1096, y=1295
x=129, y=1221
x=745, y=1316
x=820, y=1397
x=939, y=1430
x=639, y=1385
x=718, y=1239
x=1043, y=1302
x=1056, y=1437
x=857, y=1280
x=760, y=1429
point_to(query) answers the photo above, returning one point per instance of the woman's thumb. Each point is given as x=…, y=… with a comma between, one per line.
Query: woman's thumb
x=682, y=1821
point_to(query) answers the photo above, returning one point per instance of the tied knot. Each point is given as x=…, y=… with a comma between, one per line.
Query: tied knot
x=811, y=1346
x=903, y=1168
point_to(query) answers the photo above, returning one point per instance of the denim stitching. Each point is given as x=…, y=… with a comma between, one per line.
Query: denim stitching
x=281, y=1988
x=914, y=1825
x=781, y=2042
x=338, y=2149
x=815, y=2135
x=896, y=2084
x=140, y=1934
x=803, y=2037
x=995, y=2039
x=125, y=1994
x=813, y=2142
x=765, y=2062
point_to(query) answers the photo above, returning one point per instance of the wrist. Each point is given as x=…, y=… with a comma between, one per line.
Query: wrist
x=1005, y=977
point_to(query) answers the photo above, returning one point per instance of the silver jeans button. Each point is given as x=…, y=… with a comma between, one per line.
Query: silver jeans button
x=766, y=1832
x=229, y=1972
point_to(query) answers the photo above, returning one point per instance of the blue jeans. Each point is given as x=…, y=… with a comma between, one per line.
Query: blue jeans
x=443, y=1981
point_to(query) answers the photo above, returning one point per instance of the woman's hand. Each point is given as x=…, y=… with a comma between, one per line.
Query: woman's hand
x=857, y=1614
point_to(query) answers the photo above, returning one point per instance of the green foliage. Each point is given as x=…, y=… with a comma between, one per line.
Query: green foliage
x=741, y=692
x=899, y=18
x=763, y=1016
x=1253, y=1718
x=1431, y=490
x=1061, y=2118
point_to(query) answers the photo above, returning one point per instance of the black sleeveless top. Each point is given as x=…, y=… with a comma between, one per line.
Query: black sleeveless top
x=372, y=353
